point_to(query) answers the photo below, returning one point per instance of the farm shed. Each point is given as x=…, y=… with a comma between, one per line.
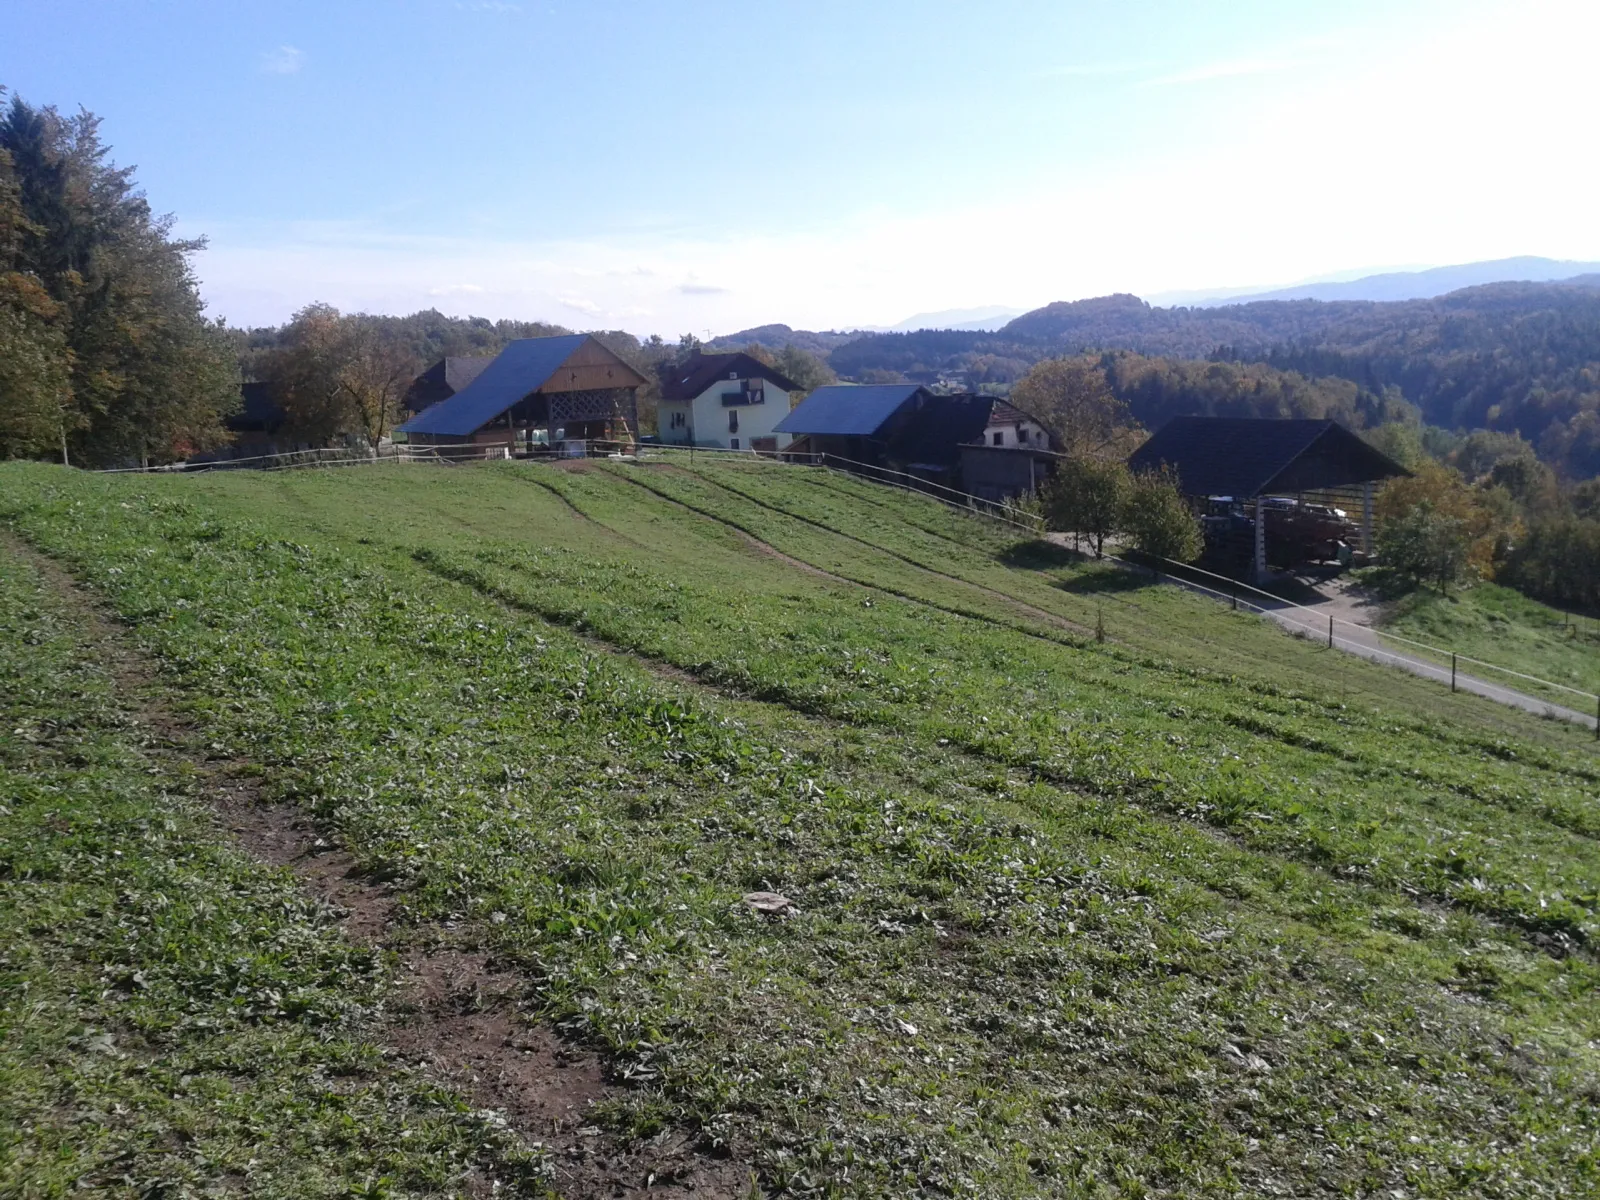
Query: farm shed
x=1279, y=466
x=726, y=401
x=443, y=380
x=898, y=426
x=993, y=472
x=567, y=388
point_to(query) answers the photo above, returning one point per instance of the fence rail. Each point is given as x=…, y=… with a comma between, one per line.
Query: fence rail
x=1009, y=515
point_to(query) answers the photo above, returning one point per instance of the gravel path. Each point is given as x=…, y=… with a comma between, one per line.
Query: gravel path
x=1354, y=615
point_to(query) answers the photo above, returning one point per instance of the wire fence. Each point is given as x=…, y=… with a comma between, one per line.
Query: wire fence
x=1233, y=591
x=1277, y=607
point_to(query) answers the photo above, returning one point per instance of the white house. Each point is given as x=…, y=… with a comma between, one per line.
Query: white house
x=724, y=401
x=1011, y=427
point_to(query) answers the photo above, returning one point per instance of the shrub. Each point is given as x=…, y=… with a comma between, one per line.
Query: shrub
x=1159, y=520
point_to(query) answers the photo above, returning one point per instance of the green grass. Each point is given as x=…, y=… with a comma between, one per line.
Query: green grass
x=176, y=1020
x=1202, y=910
x=1501, y=626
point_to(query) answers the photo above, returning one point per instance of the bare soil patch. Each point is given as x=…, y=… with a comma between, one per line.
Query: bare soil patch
x=458, y=1014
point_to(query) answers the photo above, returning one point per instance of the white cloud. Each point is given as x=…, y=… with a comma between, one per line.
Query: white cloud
x=702, y=289
x=285, y=60
x=1421, y=151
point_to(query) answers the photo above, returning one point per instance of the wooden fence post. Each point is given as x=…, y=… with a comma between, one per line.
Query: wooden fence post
x=1452, y=670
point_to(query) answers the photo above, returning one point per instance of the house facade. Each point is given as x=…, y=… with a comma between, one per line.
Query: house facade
x=1010, y=428
x=726, y=402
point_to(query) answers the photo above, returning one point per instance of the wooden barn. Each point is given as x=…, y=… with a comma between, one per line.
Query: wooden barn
x=443, y=380
x=546, y=390
x=898, y=426
x=1279, y=490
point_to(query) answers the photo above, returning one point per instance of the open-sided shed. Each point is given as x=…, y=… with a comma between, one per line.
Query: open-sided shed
x=899, y=426
x=1252, y=460
x=572, y=384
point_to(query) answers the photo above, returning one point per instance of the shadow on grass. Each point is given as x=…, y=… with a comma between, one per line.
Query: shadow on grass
x=1036, y=554
x=1102, y=578
x=1089, y=578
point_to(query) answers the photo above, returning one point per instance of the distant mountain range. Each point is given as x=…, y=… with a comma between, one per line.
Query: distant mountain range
x=985, y=319
x=1508, y=356
x=1391, y=285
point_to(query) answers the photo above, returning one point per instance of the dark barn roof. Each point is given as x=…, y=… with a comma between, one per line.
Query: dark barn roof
x=520, y=368
x=849, y=409
x=699, y=371
x=942, y=424
x=1245, y=457
x=443, y=380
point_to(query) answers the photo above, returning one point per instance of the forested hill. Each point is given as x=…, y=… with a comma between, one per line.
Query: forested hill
x=1521, y=357
x=1125, y=322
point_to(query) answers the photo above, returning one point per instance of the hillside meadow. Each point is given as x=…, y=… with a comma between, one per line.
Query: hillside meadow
x=1197, y=909
x=1505, y=627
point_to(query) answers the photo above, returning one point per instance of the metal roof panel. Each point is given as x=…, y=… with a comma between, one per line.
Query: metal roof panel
x=517, y=370
x=847, y=409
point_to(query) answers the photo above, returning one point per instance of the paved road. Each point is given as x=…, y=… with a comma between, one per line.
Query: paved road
x=1353, y=634
x=1312, y=620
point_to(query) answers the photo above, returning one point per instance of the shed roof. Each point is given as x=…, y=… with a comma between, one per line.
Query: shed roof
x=520, y=368
x=1245, y=457
x=848, y=409
x=942, y=425
x=699, y=371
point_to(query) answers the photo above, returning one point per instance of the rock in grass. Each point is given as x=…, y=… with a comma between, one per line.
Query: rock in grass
x=769, y=902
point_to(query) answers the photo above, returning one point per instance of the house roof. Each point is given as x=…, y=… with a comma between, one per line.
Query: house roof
x=1005, y=414
x=443, y=380
x=458, y=372
x=848, y=409
x=695, y=374
x=1246, y=457
x=520, y=368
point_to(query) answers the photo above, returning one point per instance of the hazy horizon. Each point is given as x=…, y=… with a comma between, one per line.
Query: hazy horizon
x=711, y=168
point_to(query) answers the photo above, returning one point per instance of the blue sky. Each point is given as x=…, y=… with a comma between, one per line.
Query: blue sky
x=700, y=165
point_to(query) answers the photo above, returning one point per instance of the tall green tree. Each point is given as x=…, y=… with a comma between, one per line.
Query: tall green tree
x=1076, y=404
x=805, y=370
x=148, y=377
x=1086, y=498
x=1159, y=521
x=35, y=391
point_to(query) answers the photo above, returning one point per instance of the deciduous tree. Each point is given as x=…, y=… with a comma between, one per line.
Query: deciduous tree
x=1158, y=520
x=148, y=377
x=1087, y=497
x=1436, y=529
x=1075, y=403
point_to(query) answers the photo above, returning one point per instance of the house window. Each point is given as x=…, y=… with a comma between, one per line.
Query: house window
x=733, y=420
x=1022, y=435
x=733, y=443
x=999, y=437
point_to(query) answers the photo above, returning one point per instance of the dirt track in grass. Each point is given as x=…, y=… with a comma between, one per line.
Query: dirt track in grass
x=457, y=1013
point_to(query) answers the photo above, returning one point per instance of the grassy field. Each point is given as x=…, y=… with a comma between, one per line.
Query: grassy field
x=1196, y=910
x=175, y=1019
x=1502, y=626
